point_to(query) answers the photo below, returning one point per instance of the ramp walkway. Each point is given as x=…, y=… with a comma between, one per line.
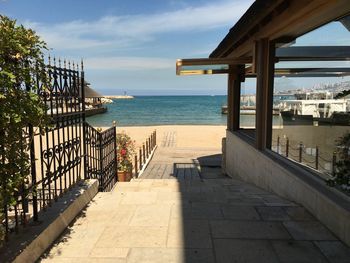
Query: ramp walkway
x=182, y=209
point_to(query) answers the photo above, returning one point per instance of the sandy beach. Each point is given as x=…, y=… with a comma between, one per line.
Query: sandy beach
x=208, y=136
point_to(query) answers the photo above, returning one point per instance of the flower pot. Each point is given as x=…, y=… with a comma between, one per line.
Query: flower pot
x=124, y=176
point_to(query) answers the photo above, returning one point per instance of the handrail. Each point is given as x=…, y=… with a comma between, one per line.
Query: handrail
x=144, y=152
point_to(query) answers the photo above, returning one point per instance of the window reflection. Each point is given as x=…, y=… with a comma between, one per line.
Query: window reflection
x=311, y=101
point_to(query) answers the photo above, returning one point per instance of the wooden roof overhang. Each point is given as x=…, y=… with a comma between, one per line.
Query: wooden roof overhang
x=278, y=20
x=281, y=21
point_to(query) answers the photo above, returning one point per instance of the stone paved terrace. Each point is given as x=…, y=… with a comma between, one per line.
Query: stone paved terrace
x=194, y=214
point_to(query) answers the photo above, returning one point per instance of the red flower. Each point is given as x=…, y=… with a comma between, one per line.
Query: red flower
x=123, y=152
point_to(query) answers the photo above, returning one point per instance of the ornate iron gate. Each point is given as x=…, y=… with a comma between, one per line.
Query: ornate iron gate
x=63, y=153
x=61, y=149
x=101, y=161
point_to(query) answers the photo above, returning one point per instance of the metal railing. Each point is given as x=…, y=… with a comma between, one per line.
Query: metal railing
x=309, y=156
x=143, y=154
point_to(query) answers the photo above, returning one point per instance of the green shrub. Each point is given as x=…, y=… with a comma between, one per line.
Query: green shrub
x=21, y=66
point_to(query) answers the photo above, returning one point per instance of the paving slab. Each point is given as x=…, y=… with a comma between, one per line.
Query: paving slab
x=298, y=252
x=139, y=198
x=151, y=215
x=248, y=229
x=202, y=210
x=110, y=252
x=170, y=255
x=84, y=260
x=247, y=251
x=189, y=234
x=335, y=251
x=240, y=212
x=132, y=236
x=274, y=213
x=299, y=214
x=308, y=230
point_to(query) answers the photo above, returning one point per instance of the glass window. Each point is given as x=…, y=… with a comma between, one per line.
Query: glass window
x=312, y=100
x=247, y=105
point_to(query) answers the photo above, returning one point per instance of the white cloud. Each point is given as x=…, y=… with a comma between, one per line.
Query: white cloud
x=133, y=30
x=129, y=63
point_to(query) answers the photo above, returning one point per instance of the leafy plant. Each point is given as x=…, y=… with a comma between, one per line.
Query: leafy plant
x=21, y=69
x=342, y=174
x=125, y=152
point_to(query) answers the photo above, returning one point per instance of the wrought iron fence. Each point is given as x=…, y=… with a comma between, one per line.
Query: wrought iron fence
x=101, y=157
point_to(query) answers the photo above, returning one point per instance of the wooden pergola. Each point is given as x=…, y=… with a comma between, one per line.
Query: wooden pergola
x=259, y=40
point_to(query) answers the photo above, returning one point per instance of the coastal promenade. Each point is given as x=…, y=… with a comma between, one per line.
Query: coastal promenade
x=182, y=209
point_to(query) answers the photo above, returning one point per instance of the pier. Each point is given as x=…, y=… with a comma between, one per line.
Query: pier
x=119, y=97
x=248, y=110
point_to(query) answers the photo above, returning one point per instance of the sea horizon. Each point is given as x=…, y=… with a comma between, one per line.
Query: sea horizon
x=160, y=110
x=153, y=110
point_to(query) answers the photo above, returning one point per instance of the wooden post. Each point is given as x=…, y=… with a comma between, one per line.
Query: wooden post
x=233, y=97
x=143, y=153
x=265, y=66
x=140, y=156
x=136, y=166
x=230, y=103
x=147, y=148
x=155, y=137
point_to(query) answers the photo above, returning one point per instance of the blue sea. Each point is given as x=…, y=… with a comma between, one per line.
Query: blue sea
x=166, y=110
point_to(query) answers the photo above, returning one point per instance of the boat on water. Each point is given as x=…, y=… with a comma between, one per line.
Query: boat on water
x=247, y=110
x=319, y=112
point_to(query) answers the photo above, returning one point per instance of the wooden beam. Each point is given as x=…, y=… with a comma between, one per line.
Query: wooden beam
x=213, y=61
x=234, y=97
x=237, y=101
x=264, y=92
x=230, y=103
x=313, y=53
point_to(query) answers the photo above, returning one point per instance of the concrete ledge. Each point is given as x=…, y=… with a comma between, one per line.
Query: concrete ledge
x=329, y=206
x=32, y=242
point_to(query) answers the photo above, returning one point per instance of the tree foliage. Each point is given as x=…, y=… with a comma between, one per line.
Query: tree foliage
x=342, y=174
x=343, y=165
x=21, y=69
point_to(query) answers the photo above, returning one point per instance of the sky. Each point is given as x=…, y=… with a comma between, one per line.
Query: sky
x=132, y=46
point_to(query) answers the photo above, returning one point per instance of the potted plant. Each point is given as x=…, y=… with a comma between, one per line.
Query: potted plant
x=125, y=152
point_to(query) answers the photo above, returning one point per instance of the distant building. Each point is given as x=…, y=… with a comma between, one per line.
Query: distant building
x=93, y=101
